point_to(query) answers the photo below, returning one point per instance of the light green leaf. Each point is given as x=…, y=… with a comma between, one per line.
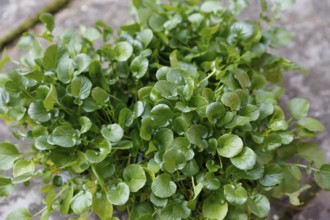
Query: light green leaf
x=23, y=170
x=161, y=114
x=81, y=87
x=298, y=107
x=51, y=98
x=82, y=62
x=41, y=143
x=174, y=159
x=63, y=136
x=311, y=124
x=211, y=6
x=158, y=202
x=166, y=89
x=245, y=160
x=66, y=200
x=229, y=145
x=50, y=57
x=145, y=36
x=38, y=112
x=65, y=70
x=235, y=194
x=231, y=100
x=175, y=211
x=81, y=202
x=312, y=153
x=101, y=206
x=191, y=168
x=163, y=186
x=118, y=195
x=134, y=177
x=139, y=66
x=322, y=177
x=259, y=205
x=112, y=132
x=214, y=111
x=214, y=209
x=273, y=175
x=19, y=214
x=48, y=20
x=293, y=197
x=85, y=124
x=90, y=33
x=156, y=22
x=100, y=96
x=123, y=51
x=8, y=154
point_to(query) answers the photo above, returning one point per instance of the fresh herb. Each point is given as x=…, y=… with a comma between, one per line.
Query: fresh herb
x=177, y=118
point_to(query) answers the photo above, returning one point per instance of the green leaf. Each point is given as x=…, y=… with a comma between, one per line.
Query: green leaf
x=293, y=197
x=156, y=22
x=231, y=100
x=174, y=211
x=51, y=98
x=245, y=160
x=273, y=175
x=259, y=205
x=63, y=136
x=166, y=89
x=163, y=186
x=174, y=159
x=23, y=170
x=211, y=6
x=196, y=133
x=118, y=195
x=20, y=213
x=161, y=114
x=158, y=202
x=214, y=111
x=81, y=87
x=8, y=154
x=82, y=62
x=100, y=96
x=145, y=36
x=311, y=124
x=235, y=194
x=322, y=177
x=38, y=112
x=85, y=123
x=50, y=57
x=312, y=153
x=91, y=34
x=163, y=138
x=41, y=143
x=191, y=168
x=112, y=132
x=81, y=202
x=122, y=51
x=66, y=200
x=229, y=145
x=139, y=66
x=101, y=206
x=6, y=186
x=65, y=70
x=134, y=177
x=214, y=209
x=146, y=128
x=48, y=20
x=298, y=107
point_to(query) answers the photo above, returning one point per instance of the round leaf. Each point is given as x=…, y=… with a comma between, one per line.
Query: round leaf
x=259, y=205
x=311, y=124
x=123, y=51
x=160, y=114
x=118, y=195
x=231, y=100
x=245, y=160
x=81, y=87
x=322, y=177
x=81, y=202
x=214, y=111
x=112, y=133
x=235, y=194
x=8, y=154
x=38, y=113
x=174, y=160
x=163, y=186
x=196, y=133
x=229, y=145
x=298, y=107
x=213, y=209
x=139, y=66
x=273, y=175
x=63, y=136
x=135, y=177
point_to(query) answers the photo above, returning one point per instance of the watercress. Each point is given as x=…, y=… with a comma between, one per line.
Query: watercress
x=178, y=117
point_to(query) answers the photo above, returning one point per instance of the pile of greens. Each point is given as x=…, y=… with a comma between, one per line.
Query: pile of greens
x=177, y=117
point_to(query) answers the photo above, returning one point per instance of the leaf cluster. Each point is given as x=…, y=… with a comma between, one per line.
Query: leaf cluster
x=179, y=117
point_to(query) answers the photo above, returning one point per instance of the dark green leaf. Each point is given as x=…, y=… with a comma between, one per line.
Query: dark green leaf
x=235, y=194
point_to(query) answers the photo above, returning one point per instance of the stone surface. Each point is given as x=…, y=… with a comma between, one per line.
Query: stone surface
x=308, y=20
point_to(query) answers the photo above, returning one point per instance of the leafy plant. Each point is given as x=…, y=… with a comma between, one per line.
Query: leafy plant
x=176, y=118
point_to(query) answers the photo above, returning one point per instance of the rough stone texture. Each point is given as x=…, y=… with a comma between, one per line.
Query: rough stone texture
x=308, y=20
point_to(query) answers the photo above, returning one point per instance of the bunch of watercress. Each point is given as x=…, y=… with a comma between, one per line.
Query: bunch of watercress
x=176, y=118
